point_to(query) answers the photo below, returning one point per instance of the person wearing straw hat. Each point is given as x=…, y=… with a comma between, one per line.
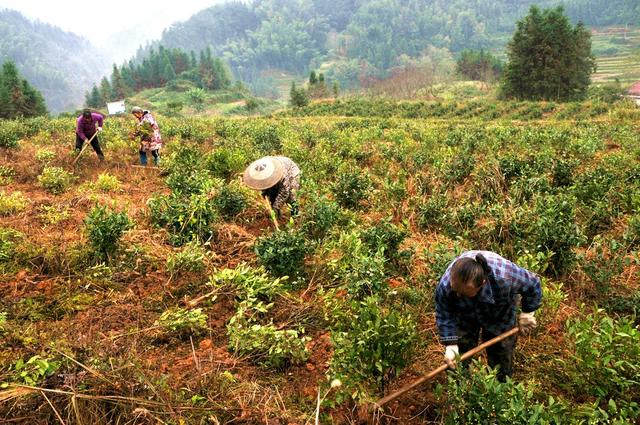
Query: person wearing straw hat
x=278, y=177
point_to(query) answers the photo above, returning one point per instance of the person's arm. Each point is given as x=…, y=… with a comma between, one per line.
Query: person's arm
x=99, y=118
x=79, y=130
x=527, y=284
x=445, y=316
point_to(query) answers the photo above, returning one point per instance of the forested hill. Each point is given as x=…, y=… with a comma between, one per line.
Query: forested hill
x=370, y=36
x=60, y=64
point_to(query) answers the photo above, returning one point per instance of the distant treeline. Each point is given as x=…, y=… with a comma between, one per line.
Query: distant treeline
x=364, y=37
x=17, y=97
x=160, y=68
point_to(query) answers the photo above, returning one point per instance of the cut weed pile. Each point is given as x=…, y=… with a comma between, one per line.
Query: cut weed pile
x=133, y=295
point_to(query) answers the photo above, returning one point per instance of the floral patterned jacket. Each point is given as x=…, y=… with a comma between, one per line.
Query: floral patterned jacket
x=151, y=139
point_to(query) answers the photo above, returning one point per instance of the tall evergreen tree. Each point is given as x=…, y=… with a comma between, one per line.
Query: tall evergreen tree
x=548, y=58
x=118, y=86
x=105, y=91
x=93, y=99
x=17, y=97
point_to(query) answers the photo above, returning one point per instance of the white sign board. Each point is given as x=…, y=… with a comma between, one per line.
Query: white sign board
x=115, y=107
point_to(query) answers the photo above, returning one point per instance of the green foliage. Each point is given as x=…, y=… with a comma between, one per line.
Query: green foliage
x=376, y=344
x=107, y=183
x=433, y=213
x=17, y=97
x=319, y=216
x=6, y=174
x=104, y=229
x=351, y=186
x=52, y=215
x=45, y=156
x=231, y=199
x=225, y=162
x=548, y=58
x=478, y=65
x=298, y=96
x=282, y=253
x=387, y=237
x=192, y=258
x=475, y=396
x=252, y=285
x=603, y=262
x=606, y=356
x=185, y=218
x=55, y=180
x=35, y=370
x=266, y=344
x=182, y=322
x=13, y=203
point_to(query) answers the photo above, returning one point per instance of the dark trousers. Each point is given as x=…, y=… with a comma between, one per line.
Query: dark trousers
x=499, y=354
x=95, y=144
x=154, y=153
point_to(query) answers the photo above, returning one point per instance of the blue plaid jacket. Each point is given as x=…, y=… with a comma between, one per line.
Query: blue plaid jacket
x=494, y=308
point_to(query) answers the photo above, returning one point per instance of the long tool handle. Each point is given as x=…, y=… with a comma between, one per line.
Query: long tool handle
x=378, y=404
x=271, y=212
x=83, y=148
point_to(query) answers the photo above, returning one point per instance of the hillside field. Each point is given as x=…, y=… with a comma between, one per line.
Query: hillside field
x=132, y=295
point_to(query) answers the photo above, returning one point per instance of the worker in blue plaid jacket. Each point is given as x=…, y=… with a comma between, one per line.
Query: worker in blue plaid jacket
x=479, y=292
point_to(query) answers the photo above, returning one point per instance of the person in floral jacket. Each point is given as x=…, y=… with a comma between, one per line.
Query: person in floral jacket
x=149, y=132
x=278, y=177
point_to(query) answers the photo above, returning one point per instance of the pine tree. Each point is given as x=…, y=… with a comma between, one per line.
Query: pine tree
x=17, y=97
x=118, y=87
x=105, y=91
x=298, y=97
x=92, y=99
x=548, y=58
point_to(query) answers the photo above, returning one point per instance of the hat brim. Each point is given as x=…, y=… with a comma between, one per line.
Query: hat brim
x=263, y=173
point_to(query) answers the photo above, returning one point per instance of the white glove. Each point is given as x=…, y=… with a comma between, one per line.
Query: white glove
x=450, y=354
x=99, y=128
x=527, y=322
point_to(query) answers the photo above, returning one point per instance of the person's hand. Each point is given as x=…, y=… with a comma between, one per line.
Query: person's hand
x=99, y=128
x=450, y=354
x=527, y=322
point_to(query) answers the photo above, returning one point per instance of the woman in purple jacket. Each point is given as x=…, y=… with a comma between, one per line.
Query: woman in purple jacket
x=85, y=130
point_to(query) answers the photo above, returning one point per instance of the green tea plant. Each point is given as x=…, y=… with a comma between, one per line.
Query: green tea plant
x=52, y=215
x=387, y=237
x=6, y=174
x=13, y=203
x=181, y=322
x=433, y=213
x=225, y=162
x=45, y=156
x=106, y=183
x=192, y=258
x=249, y=284
x=55, y=180
x=603, y=262
x=185, y=218
x=35, y=370
x=553, y=296
x=374, y=346
x=231, y=199
x=319, y=216
x=605, y=357
x=475, y=396
x=351, y=187
x=104, y=229
x=266, y=344
x=282, y=253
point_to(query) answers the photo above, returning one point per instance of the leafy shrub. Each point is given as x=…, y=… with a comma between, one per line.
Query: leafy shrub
x=35, y=370
x=249, y=284
x=377, y=343
x=182, y=322
x=433, y=213
x=10, y=133
x=282, y=253
x=225, y=163
x=11, y=204
x=604, y=261
x=107, y=183
x=266, y=139
x=606, y=356
x=231, y=199
x=562, y=172
x=351, y=187
x=192, y=258
x=266, y=344
x=104, y=229
x=45, y=156
x=319, y=216
x=55, y=180
x=552, y=298
x=52, y=215
x=185, y=218
x=387, y=237
x=6, y=174
x=477, y=397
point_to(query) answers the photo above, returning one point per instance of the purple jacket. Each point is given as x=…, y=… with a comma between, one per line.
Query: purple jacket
x=86, y=129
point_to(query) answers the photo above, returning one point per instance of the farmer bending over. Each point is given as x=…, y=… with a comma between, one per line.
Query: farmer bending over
x=86, y=129
x=278, y=177
x=149, y=132
x=479, y=291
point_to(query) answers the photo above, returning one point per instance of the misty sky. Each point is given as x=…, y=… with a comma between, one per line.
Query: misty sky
x=99, y=20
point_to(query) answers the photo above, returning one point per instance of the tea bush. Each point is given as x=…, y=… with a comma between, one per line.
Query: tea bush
x=191, y=259
x=45, y=156
x=106, y=183
x=225, y=162
x=10, y=132
x=55, y=180
x=104, y=229
x=605, y=356
x=433, y=213
x=13, y=203
x=351, y=187
x=475, y=396
x=181, y=322
x=35, y=370
x=376, y=344
x=231, y=199
x=387, y=237
x=249, y=284
x=319, y=216
x=282, y=253
x=185, y=218
x=6, y=174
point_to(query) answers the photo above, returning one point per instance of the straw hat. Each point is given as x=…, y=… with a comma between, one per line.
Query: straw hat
x=263, y=173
